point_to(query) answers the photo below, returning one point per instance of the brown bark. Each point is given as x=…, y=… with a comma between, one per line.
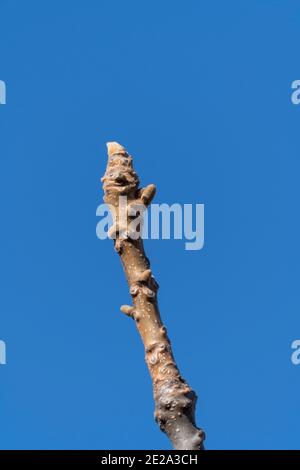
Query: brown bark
x=174, y=400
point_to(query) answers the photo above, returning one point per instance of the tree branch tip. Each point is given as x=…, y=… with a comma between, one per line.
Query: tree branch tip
x=145, y=276
x=114, y=147
x=174, y=400
x=128, y=310
x=148, y=193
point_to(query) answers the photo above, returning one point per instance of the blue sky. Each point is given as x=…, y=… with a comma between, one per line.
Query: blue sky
x=199, y=93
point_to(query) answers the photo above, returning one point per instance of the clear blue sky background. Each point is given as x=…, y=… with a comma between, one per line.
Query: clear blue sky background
x=199, y=92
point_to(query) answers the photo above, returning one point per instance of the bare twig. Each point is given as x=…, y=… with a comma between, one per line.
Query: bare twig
x=174, y=400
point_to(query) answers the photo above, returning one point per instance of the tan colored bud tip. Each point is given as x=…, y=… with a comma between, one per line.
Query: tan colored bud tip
x=127, y=309
x=114, y=147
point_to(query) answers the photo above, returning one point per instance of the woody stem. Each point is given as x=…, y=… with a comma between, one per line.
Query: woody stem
x=175, y=401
